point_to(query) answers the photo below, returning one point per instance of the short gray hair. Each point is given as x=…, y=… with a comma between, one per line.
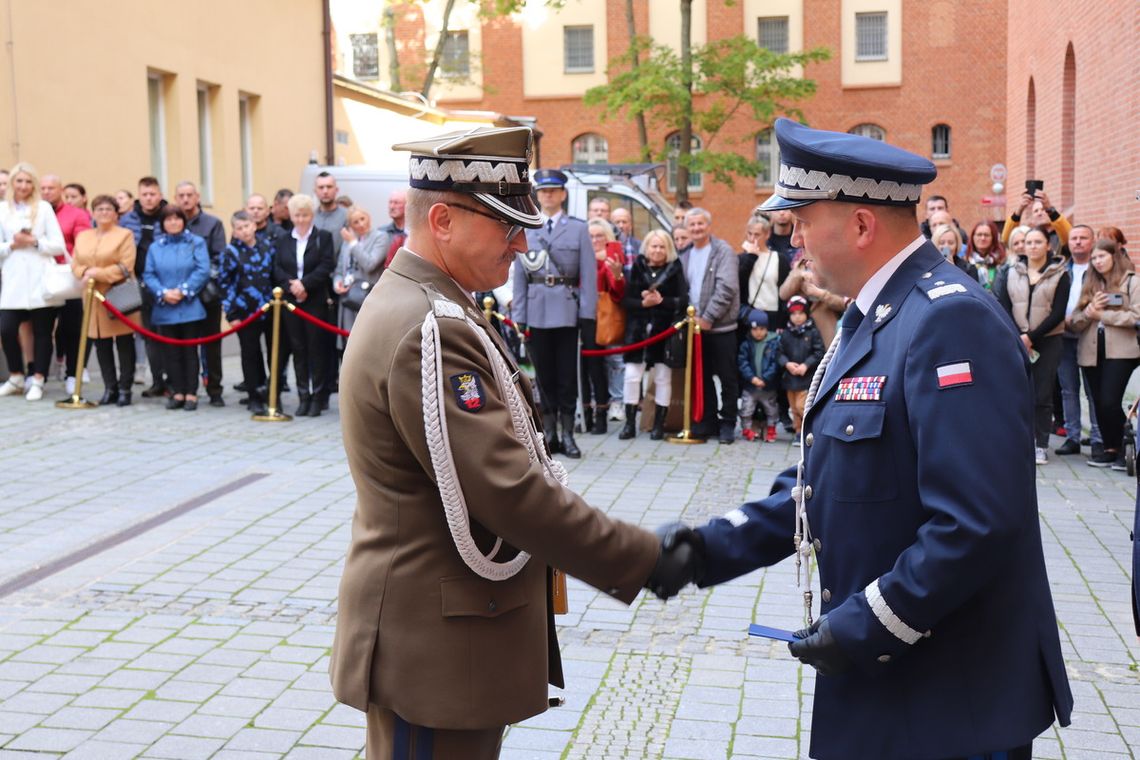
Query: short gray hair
x=698, y=211
x=300, y=201
x=419, y=201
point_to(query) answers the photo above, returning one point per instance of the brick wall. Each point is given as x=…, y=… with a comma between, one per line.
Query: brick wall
x=953, y=73
x=1103, y=168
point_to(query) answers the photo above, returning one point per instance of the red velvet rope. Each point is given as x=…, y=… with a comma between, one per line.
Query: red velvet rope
x=507, y=321
x=182, y=341
x=698, y=379
x=318, y=322
x=632, y=346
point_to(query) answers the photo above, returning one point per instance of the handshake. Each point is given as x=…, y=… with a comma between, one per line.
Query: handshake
x=682, y=561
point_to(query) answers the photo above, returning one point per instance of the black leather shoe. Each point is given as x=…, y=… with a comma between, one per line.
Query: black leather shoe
x=154, y=391
x=304, y=407
x=569, y=445
x=659, y=415
x=110, y=397
x=1068, y=447
x=124, y=399
x=629, y=429
x=600, y=426
x=217, y=401
x=241, y=387
x=257, y=406
x=727, y=433
x=550, y=431
x=191, y=405
x=315, y=409
x=174, y=403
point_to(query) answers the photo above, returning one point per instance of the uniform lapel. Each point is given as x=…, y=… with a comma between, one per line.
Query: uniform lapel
x=886, y=306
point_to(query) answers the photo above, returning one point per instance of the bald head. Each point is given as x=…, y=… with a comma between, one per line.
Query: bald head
x=51, y=189
x=258, y=209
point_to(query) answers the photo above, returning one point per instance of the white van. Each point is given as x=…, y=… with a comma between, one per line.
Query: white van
x=632, y=186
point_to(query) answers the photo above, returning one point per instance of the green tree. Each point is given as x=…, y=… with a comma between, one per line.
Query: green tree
x=732, y=79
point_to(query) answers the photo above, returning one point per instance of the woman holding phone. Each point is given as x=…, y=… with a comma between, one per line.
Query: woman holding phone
x=1106, y=317
x=1035, y=295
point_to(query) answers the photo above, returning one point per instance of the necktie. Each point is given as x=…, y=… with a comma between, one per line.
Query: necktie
x=549, y=225
x=847, y=327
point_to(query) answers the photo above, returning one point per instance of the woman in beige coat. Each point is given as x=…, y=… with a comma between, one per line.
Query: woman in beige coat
x=106, y=254
x=1106, y=317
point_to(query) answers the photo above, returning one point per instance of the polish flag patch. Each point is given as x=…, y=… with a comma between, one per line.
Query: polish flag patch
x=953, y=375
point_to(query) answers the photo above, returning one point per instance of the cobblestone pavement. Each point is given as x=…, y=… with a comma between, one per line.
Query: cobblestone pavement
x=208, y=635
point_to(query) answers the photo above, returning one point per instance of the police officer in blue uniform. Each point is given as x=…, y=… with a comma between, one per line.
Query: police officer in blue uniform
x=555, y=293
x=937, y=637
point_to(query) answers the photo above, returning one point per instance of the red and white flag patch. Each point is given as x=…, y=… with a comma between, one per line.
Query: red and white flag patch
x=953, y=375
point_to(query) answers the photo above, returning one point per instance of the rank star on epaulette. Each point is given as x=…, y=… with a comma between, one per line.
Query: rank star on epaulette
x=861, y=388
x=468, y=389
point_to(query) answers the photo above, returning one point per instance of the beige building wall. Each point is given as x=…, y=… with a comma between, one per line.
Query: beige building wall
x=543, y=50
x=79, y=103
x=665, y=23
x=871, y=73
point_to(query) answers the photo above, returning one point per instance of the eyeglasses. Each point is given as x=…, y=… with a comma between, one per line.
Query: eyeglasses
x=513, y=230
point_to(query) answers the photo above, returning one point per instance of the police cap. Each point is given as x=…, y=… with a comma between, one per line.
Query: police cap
x=490, y=164
x=817, y=165
x=549, y=178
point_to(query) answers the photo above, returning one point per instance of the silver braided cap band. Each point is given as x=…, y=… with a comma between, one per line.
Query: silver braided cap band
x=887, y=616
x=803, y=184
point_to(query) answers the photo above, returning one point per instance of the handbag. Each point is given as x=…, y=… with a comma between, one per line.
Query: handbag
x=353, y=298
x=610, y=321
x=676, y=348
x=60, y=284
x=125, y=295
x=211, y=293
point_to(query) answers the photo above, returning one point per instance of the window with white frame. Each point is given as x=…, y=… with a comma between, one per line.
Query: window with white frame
x=156, y=118
x=673, y=149
x=245, y=135
x=365, y=56
x=205, y=147
x=578, y=47
x=768, y=156
x=455, y=62
x=772, y=33
x=874, y=131
x=940, y=141
x=871, y=36
x=590, y=148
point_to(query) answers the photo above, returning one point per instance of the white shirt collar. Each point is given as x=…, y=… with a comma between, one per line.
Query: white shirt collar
x=554, y=218
x=870, y=292
x=296, y=236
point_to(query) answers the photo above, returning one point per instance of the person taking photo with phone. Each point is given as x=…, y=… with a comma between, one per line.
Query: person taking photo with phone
x=1107, y=351
x=1035, y=210
x=1035, y=295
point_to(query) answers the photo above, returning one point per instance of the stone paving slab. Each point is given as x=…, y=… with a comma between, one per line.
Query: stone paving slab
x=209, y=635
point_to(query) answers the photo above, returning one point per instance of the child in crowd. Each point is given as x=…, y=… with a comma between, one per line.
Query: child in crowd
x=758, y=368
x=801, y=349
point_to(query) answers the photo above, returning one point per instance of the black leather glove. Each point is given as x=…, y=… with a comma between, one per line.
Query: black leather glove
x=680, y=563
x=816, y=646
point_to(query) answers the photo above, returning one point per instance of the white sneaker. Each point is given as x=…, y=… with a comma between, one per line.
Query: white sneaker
x=1041, y=457
x=69, y=384
x=86, y=375
x=13, y=386
x=35, y=391
x=140, y=373
x=617, y=412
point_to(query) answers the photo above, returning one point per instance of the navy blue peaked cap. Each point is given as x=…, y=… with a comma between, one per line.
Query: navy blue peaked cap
x=549, y=178
x=817, y=165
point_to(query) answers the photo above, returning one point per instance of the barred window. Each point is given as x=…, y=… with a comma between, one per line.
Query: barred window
x=772, y=33
x=455, y=63
x=365, y=58
x=874, y=131
x=590, y=148
x=871, y=36
x=673, y=148
x=768, y=156
x=940, y=141
x=578, y=44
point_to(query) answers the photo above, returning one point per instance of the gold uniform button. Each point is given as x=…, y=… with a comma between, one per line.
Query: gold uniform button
x=826, y=595
x=809, y=440
x=884, y=658
x=818, y=545
x=807, y=492
x=850, y=430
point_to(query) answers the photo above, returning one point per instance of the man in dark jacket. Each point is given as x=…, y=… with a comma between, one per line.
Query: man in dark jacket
x=144, y=221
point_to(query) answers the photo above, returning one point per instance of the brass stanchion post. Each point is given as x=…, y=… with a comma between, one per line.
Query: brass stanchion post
x=488, y=307
x=686, y=434
x=274, y=413
x=76, y=400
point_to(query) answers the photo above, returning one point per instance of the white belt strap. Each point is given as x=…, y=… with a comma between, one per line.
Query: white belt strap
x=439, y=444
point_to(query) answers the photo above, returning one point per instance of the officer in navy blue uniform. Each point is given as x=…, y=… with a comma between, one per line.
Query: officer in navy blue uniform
x=555, y=294
x=937, y=637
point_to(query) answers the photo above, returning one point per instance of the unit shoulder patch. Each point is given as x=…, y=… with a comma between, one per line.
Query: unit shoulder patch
x=468, y=390
x=954, y=374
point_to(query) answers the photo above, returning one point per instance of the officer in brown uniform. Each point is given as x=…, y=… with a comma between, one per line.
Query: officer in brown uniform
x=445, y=630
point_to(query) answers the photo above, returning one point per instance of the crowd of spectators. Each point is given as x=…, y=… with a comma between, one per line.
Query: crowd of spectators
x=192, y=280
x=1070, y=290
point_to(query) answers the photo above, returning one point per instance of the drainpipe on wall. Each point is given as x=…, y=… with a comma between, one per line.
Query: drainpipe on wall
x=10, y=45
x=326, y=38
